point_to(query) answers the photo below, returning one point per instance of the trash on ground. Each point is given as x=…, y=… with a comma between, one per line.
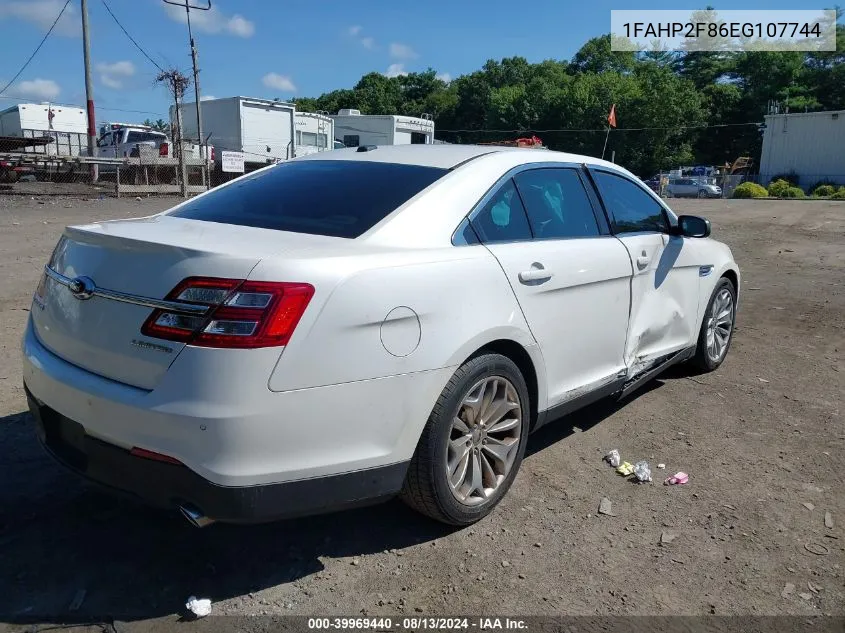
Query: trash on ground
x=788, y=589
x=642, y=471
x=762, y=380
x=661, y=466
x=828, y=520
x=667, y=537
x=676, y=479
x=77, y=601
x=809, y=506
x=200, y=607
x=605, y=507
x=625, y=469
x=613, y=458
x=816, y=548
x=805, y=596
x=812, y=587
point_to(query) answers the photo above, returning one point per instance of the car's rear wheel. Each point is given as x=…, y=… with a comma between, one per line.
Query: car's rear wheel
x=717, y=328
x=473, y=443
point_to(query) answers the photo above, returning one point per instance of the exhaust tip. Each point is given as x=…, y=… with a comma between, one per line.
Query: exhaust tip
x=194, y=516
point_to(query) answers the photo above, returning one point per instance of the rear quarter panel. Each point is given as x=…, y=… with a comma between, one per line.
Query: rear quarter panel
x=398, y=313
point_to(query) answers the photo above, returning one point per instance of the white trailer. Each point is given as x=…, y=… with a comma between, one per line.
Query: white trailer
x=355, y=129
x=810, y=144
x=66, y=125
x=314, y=133
x=262, y=129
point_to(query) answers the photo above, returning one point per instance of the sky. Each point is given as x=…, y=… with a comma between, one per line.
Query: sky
x=285, y=48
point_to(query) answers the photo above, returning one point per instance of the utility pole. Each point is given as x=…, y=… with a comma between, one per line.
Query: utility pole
x=188, y=8
x=89, y=90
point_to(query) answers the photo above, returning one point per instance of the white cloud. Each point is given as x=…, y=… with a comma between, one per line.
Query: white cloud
x=35, y=90
x=113, y=75
x=402, y=51
x=207, y=97
x=444, y=77
x=213, y=21
x=395, y=70
x=42, y=13
x=368, y=43
x=355, y=31
x=240, y=26
x=278, y=82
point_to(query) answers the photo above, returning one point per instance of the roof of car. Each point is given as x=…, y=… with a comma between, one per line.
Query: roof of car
x=441, y=156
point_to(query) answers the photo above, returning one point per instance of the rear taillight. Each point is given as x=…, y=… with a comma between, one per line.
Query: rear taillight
x=212, y=155
x=163, y=149
x=241, y=314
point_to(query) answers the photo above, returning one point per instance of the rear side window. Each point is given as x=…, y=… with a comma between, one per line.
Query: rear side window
x=336, y=198
x=140, y=137
x=557, y=204
x=631, y=208
x=503, y=218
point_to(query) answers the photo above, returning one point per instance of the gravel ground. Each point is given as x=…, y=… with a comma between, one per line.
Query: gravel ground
x=762, y=439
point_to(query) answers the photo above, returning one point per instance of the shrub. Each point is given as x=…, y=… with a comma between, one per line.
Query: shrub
x=822, y=182
x=824, y=191
x=790, y=177
x=778, y=188
x=793, y=192
x=750, y=190
x=839, y=195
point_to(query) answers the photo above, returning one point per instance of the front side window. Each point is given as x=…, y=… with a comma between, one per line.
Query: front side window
x=503, y=218
x=556, y=203
x=140, y=137
x=630, y=207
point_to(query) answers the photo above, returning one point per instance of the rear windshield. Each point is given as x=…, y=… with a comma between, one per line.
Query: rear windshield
x=336, y=198
x=140, y=137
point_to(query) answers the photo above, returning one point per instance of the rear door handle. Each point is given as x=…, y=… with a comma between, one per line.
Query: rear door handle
x=535, y=274
x=643, y=261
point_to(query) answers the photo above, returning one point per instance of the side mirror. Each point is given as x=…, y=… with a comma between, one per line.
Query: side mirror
x=693, y=226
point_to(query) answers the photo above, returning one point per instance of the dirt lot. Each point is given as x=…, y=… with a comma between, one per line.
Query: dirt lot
x=763, y=440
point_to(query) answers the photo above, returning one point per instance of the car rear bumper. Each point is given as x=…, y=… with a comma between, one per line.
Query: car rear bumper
x=248, y=452
x=169, y=485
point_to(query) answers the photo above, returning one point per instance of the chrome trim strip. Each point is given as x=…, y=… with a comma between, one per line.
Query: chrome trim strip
x=147, y=302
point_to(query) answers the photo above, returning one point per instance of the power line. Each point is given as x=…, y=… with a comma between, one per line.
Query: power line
x=38, y=48
x=131, y=39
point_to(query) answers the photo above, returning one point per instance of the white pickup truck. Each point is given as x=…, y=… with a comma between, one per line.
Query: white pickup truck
x=119, y=140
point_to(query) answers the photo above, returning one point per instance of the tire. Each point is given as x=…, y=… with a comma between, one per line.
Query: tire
x=427, y=486
x=702, y=194
x=704, y=358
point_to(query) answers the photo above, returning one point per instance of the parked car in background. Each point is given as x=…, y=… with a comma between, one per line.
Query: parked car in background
x=653, y=183
x=692, y=188
x=195, y=358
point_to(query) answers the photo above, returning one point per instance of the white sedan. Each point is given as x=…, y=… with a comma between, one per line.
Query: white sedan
x=352, y=325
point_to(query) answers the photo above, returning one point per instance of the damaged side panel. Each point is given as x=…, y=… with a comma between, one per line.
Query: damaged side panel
x=664, y=299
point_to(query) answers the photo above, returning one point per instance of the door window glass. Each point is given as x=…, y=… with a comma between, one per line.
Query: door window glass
x=556, y=203
x=631, y=208
x=503, y=218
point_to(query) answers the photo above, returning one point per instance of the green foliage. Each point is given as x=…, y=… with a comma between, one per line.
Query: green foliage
x=839, y=195
x=779, y=187
x=794, y=192
x=663, y=100
x=750, y=190
x=823, y=191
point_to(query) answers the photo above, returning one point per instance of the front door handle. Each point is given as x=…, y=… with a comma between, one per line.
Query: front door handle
x=534, y=274
x=643, y=261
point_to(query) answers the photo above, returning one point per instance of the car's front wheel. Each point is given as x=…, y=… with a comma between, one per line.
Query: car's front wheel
x=717, y=328
x=473, y=443
x=702, y=193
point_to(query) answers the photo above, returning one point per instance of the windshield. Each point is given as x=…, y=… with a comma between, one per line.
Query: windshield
x=336, y=198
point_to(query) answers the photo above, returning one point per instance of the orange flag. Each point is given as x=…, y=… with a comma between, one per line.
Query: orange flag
x=611, y=118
